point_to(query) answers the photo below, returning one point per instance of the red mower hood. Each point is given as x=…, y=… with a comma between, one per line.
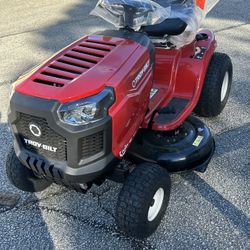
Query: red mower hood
x=82, y=69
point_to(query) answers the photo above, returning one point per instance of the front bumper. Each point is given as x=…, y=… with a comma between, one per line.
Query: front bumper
x=63, y=153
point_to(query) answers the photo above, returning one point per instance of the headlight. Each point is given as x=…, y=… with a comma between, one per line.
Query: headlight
x=87, y=110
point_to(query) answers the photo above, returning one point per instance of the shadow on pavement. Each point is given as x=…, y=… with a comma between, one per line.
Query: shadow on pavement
x=234, y=139
x=233, y=10
x=17, y=219
x=235, y=215
x=76, y=24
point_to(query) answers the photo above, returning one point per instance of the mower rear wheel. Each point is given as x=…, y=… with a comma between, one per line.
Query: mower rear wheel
x=21, y=177
x=143, y=200
x=217, y=86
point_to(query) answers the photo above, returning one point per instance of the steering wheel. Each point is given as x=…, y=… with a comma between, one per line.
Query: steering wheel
x=135, y=9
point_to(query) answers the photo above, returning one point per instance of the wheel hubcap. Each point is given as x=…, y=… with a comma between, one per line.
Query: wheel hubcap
x=224, y=87
x=156, y=204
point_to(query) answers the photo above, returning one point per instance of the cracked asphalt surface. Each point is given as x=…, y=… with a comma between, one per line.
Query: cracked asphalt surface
x=206, y=211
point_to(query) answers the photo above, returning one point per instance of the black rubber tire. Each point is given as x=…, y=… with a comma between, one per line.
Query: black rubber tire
x=21, y=177
x=136, y=198
x=210, y=104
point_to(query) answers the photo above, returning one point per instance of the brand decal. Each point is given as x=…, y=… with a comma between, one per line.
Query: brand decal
x=35, y=130
x=40, y=145
x=125, y=148
x=140, y=75
x=153, y=92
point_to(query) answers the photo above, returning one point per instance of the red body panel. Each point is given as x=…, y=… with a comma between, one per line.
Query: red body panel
x=89, y=65
x=82, y=69
x=178, y=73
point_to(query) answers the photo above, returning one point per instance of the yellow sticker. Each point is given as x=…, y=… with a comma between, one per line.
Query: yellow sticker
x=198, y=141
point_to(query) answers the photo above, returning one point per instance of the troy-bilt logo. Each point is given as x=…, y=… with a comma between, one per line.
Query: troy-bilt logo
x=35, y=130
x=140, y=75
x=40, y=145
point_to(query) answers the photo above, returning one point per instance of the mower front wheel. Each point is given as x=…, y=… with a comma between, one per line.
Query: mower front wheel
x=216, y=88
x=21, y=177
x=143, y=200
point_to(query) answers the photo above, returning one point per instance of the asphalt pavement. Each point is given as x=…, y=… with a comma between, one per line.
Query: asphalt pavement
x=206, y=211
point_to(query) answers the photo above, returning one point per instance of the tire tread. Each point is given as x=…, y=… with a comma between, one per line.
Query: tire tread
x=21, y=177
x=209, y=104
x=133, y=197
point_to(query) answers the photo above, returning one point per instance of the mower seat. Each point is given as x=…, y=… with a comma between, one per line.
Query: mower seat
x=171, y=26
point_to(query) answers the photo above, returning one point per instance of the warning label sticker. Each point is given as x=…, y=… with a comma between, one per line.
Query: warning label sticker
x=198, y=141
x=201, y=4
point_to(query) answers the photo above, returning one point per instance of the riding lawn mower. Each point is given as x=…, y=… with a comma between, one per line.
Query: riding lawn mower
x=129, y=93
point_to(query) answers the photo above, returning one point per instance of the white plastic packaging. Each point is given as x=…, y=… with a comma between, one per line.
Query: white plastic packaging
x=153, y=12
x=147, y=12
x=192, y=12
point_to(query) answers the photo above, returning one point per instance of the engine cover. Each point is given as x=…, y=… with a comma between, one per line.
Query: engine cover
x=85, y=67
x=122, y=60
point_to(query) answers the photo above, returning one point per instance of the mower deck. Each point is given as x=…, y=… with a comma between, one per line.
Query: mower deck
x=190, y=147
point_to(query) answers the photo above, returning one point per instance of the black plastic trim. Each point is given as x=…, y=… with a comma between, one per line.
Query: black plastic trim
x=171, y=111
x=75, y=167
x=180, y=156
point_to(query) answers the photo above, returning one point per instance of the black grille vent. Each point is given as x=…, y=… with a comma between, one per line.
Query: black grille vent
x=74, y=62
x=49, y=137
x=91, y=145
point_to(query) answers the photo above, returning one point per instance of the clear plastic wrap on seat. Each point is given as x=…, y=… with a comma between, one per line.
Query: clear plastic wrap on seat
x=147, y=12
x=192, y=12
x=143, y=12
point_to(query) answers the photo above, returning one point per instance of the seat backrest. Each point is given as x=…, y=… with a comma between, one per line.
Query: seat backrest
x=172, y=26
x=181, y=12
